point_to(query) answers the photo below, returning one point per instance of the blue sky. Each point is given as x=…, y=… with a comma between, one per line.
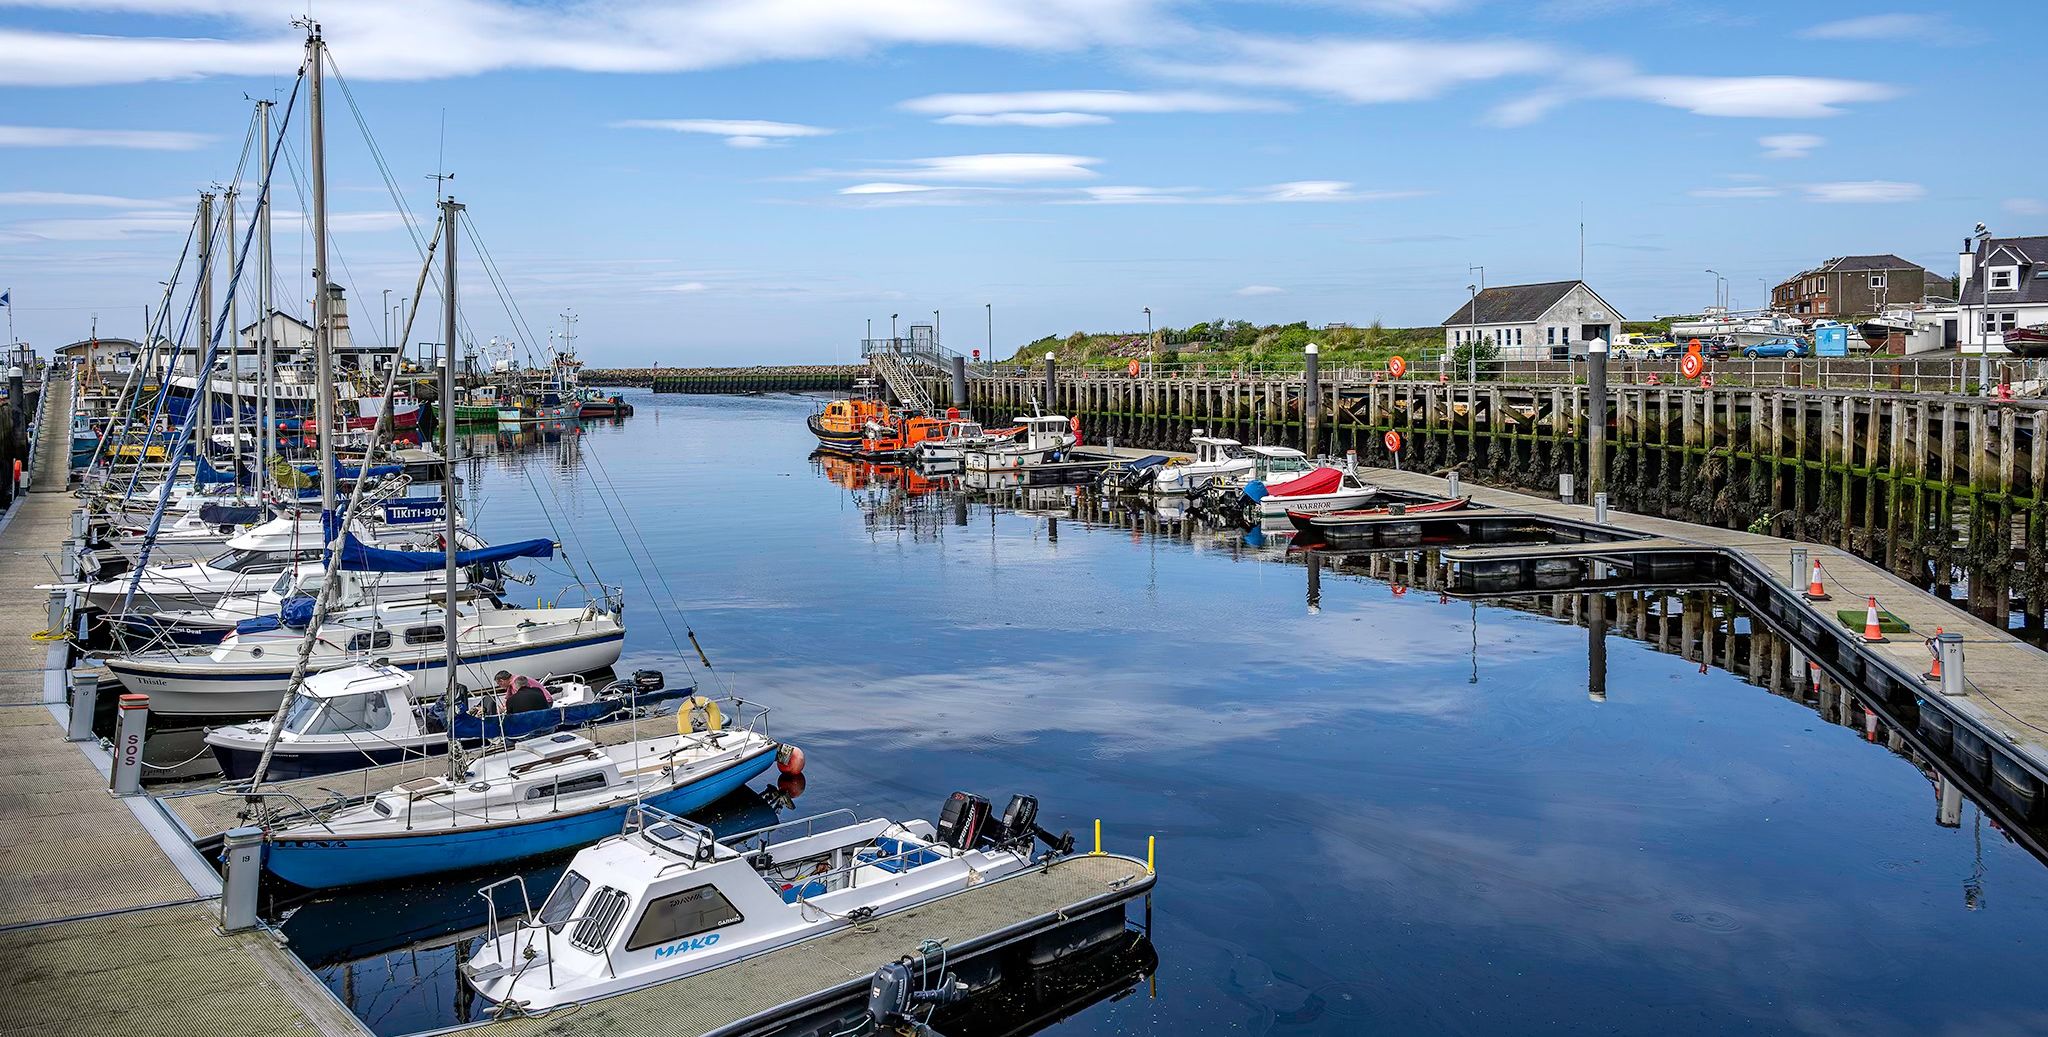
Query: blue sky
x=748, y=181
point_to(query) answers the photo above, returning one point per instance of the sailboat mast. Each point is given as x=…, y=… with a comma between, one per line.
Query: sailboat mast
x=450, y=211
x=265, y=410
x=202, y=389
x=234, y=334
x=323, y=335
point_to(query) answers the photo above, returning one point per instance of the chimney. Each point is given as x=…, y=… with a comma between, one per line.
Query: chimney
x=1966, y=264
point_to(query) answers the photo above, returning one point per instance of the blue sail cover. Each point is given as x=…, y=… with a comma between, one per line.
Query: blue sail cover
x=348, y=471
x=295, y=613
x=207, y=475
x=357, y=556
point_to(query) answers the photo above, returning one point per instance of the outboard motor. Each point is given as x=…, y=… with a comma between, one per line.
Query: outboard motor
x=893, y=993
x=648, y=680
x=961, y=820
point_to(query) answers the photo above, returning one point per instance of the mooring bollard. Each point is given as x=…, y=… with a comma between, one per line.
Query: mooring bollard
x=242, y=849
x=57, y=611
x=129, y=736
x=1564, y=487
x=1452, y=480
x=1600, y=508
x=1950, y=647
x=85, y=699
x=1798, y=572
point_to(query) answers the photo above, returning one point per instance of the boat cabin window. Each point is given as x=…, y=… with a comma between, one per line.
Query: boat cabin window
x=427, y=635
x=681, y=915
x=343, y=714
x=561, y=904
x=569, y=786
x=252, y=561
x=375, y=640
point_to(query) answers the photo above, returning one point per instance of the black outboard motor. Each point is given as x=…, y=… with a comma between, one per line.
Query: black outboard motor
x=648, y=680
x=961, y=820
x=893, y=993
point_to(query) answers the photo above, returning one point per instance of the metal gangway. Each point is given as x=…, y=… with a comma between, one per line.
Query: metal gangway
x=904, y=365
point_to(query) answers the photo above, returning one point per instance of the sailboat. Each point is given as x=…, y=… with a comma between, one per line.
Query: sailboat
x=537, y=795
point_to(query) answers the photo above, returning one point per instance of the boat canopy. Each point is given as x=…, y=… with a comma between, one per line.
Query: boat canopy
x=1275, y=451
x=293, y=613
x=357, y=556
x=347, y=471
x=1322, y=480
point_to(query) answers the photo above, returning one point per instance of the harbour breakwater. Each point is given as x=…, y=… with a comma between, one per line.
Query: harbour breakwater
x=1944, y=490
x=785, y=378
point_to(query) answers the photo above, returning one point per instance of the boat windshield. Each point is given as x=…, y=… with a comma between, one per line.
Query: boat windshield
x=343, y=714
x=561, y=904
x=251, y=560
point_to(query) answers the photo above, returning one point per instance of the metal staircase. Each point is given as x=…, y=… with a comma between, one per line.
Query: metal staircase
x=905, y=364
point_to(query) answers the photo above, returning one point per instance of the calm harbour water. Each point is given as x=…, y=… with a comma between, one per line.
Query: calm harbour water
x=1389, y=814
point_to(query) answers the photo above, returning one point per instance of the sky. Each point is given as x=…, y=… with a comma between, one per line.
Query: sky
x=753, y=181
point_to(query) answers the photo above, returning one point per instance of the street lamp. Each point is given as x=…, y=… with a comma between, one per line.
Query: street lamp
x=1149, y=350
x=935, y=327
x=387, y=320
x=892, y=330
x=1717, y=287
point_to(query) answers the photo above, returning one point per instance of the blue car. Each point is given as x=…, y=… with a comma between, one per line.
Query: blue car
x=1777, y=348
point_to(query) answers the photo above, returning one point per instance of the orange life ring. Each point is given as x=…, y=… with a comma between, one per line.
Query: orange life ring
x=1074, y=423
x=1134, y=368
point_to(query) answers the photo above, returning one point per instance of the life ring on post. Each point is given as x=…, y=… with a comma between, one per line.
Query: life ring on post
x=1134, y=368
x=698, y=713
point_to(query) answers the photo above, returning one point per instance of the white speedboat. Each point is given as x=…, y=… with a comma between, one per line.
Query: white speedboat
x=1325, y=489
x=1045, y=435
x=364, y=715
x=1217, y=460
x=540, y=795
x=667, y=898
x=250, y=671
x=959, y=437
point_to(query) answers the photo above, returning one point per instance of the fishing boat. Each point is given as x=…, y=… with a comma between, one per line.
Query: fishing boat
x=479, y=406
x=948, y=448
x=1360, y=522
x=595, y=404
x=538, y=795
x=363, y=715
x=666, y=898
x=1325, y=489
x=1045, y=438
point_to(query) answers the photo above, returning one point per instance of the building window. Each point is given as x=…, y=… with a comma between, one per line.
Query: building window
x=2000, y=322
x=1877, y=281
x=2003, y=278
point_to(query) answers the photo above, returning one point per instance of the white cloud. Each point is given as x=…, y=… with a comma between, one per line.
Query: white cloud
x=1260, y=289
x=66, y=198
x=1749, y=191
x=1079, y=102
x=2026, y=206
x=1912, y=28
x=1865, y=191
x=68, y=137
x=1308, y=191
x=1790, y=145
x=738, y=133
x=405, y=39
x=685, y=288
x=1039, y=120
x=1364, y=71
x=1765, y=97
x=899, y=194
x=1002, y=167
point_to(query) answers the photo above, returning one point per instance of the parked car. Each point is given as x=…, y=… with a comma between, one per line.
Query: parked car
x=1665, y=351
x=1775, y=349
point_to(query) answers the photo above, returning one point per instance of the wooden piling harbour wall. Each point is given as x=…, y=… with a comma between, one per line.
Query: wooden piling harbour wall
x=1946, y=491
x=795, y=378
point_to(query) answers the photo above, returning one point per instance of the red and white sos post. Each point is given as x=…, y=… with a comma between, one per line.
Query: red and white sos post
x=131, y=729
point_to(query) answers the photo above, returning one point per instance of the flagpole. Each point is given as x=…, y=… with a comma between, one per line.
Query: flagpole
x=7, y=300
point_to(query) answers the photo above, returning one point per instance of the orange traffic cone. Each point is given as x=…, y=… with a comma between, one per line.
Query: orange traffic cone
x=1815, y=591
x=1873, y=631
x=1934, y=649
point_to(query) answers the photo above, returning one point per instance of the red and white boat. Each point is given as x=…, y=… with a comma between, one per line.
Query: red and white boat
x=1325, y=489
x=405, y=411
x=1351, y=522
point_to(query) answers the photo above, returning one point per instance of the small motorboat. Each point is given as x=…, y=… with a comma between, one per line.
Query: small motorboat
x=2030, y=342
x=539, y=795
x=1045, y=438
x=960, y=436
x=1359, y=522
x=363, y=715
x=667, y=898
x=1325, y=489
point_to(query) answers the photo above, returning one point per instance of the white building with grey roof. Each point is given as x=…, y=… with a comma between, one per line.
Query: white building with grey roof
x=1553, y=320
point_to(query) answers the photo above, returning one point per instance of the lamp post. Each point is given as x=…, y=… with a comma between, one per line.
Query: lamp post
x=892, y=330
x=387, y=326
x=991, y=354
x=1717, y=287
x=1149, y=350
x=1472, y=346
x=935, y=327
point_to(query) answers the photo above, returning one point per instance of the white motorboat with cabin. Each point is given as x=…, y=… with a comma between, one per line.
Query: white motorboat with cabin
x=250, y=671
x=667, y=898
x=1045, y=436
x=1217, y=460
x=959, y=437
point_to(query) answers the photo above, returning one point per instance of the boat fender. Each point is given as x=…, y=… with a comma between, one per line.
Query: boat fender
x=698, y=714
x=789, y=759
x=1255, y=490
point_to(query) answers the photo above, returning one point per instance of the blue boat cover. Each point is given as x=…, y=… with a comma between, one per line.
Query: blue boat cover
x=357, y=556
x=206, y=474
x=231, y=514
x=295, y=613
x=1148, y=461
x=346, y=471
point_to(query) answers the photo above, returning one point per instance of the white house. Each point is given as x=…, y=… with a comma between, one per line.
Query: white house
x=2004, y=286
x=1534, y=321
